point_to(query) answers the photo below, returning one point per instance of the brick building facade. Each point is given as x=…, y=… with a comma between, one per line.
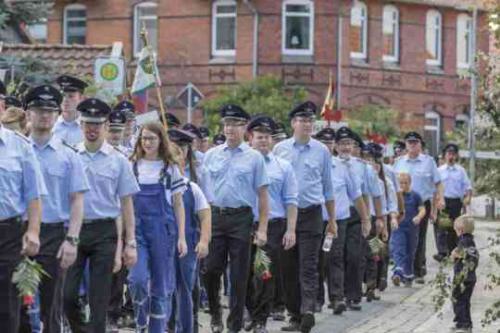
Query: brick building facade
x=407, y=55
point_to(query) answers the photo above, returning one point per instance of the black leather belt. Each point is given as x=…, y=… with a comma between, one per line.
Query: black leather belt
x=52, y=224
x=308, y=209
x=277, y=219
x=229, y=210
x=15, y=219
x=87, y=221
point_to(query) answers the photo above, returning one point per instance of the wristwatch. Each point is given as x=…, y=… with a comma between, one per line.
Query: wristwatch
x=131, y=243
x=73, y=240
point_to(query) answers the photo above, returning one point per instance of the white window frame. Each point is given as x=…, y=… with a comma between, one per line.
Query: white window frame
x=65, y=19
x=42, y=24
x=215, y=15
x=429, y=19
x=310, y=15
x=364, y=26
x=137, y=27
x=462, y=118
x=395, y=23
x=468, y=41
x=437, y=128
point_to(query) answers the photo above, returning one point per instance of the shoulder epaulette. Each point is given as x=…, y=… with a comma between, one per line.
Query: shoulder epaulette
x=120, y=151
x=73, y=148
x=22, y=136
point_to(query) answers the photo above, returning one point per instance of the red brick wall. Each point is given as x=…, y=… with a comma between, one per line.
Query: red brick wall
x=185, y=52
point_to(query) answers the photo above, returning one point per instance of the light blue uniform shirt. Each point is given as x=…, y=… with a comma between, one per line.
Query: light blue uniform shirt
x=312, y=164
x=69, y=132
x=234, y=175
x=455, y=181
x=391, y=174
x=21, y=179
x=424, y=174
x=364, y=175
x=63, y=174
x=283, y=189
x=345, y=190
x=110, y=177
x=389, y=201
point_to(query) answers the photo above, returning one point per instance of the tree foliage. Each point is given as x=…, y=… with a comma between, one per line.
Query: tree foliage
x=24, y=11
x=369, y=119
x=265, y=95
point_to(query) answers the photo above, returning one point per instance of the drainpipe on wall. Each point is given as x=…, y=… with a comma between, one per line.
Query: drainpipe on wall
x=255, y=59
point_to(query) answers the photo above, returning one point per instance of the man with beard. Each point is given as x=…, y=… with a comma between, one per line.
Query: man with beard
x=62, y=209
x=457, y=194
x=112, y=184
x=67, y=127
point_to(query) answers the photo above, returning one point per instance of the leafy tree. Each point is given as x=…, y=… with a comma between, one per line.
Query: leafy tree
x=265, y=95
x=370, y=120
x=24, y=11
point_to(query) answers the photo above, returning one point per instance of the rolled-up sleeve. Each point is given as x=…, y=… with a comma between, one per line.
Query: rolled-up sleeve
x=290, y=187
x=353, y=188
x=127, y=183
x=33, y=183
x=327, y=176
x=260, y=173
x=78, y=181
x=436, y=177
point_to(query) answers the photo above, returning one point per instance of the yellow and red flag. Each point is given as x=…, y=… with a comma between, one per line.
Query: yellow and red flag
x=328, y=111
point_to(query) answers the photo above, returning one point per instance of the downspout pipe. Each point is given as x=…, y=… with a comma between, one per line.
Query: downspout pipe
x=255, y=54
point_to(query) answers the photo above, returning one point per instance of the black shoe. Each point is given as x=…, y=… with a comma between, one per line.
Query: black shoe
x=216, y=325
x=370, y=295
x=307, y=322
x=260, y=328
x=293, y=326
x=420, y=280
x=278, y=316
x=339, y=307
x=382, y=284
x=353, y=305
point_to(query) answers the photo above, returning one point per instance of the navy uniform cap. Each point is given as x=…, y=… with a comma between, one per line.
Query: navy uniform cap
x=70, y=83
x=399, y=145
x=357, y=138
x=12, y=101
x=326, y=134
x=219, y=139
x=205, y=132
x=411, y=136
x=306, y=109
x=124, y=106
x=44, y=96
x=374, y=149
x=262, y=123
x=117, y=119
x=93, y=110
x=172, y=120
x=233, y=111
x=3, y=90
x=193, y=130
x=279, y=131
x=344, y=133
x=180, y=137
x=451, y=147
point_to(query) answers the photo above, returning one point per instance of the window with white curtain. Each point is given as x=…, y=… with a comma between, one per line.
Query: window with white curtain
x=390, y=27
x=224, y=28
x=464, y=41
x=145, y=16
x=298, y=27
x=358, y=32
x=74, y=24
x=434, y=38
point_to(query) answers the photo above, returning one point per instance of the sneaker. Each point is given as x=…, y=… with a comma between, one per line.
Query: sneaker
x=307, y=322
x=396, y=280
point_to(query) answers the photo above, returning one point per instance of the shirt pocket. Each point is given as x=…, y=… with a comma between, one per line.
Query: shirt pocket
x=244, y=174
x=106, y=178
x=11, y=175
x=312, y=170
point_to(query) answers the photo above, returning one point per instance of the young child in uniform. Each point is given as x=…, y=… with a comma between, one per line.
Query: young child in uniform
x=466, y=258
x=404, y=236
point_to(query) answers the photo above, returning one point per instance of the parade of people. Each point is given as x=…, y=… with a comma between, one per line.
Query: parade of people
x=231, y=195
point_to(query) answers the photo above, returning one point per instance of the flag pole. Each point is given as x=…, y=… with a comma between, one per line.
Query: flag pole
x=144, y=36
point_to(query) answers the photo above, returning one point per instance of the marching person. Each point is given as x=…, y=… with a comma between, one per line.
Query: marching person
x=218, y=139
x=426, y=181
x=198, y=234
x=204, y=143
x=160, y=228
x=457, y=195
x=68, y=126
x=283, y=192
x=347, y=192
x=357, y=226
x=129, y=132
x=107, y=206
x=312, y=164
x=22, y=186
x=116, y=126
x=238, y=178
x=66, y=182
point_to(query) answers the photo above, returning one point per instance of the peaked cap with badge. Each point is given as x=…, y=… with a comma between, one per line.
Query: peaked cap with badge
x=70, y=83
x=93, y=110
x=44, y=97
x=233, y=111
x=262, y=123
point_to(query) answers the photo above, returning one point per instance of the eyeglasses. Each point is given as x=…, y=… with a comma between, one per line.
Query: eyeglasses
x=305, y=120
x=149, y=138
x=233, y=123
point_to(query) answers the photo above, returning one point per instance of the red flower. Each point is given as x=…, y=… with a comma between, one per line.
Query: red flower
x=376, y=258
x=266, y=276
x=28, y=300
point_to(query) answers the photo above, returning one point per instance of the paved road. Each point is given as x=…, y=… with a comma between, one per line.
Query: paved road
x=407, y=310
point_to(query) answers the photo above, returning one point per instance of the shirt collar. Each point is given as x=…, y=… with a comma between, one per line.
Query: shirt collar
x=268, y=157
x=106, y=148
x=69, y=123
x=52, y=143
x=419, y=158
x=307, y=144
x=242, y=147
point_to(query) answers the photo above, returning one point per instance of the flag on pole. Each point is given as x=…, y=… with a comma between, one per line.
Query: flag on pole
x=328, y=111
x=146, y=74
x=140, y=101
